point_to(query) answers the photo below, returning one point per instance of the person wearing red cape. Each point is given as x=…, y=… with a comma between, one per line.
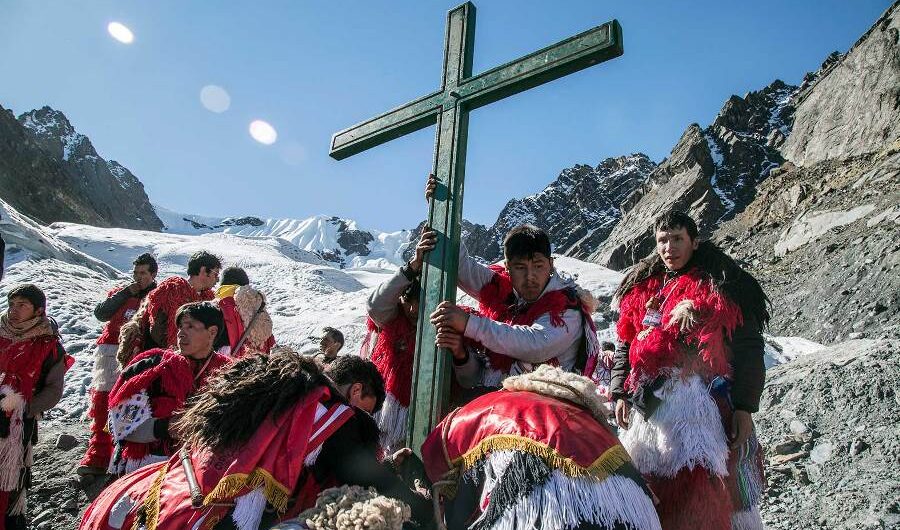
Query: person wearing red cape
x=33, y=364
x=537, y=454
x=688, y=374
x=157, y=383
x=268, y=434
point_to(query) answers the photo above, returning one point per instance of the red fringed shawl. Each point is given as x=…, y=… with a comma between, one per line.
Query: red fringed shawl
x=176, y=381
x=393, y=356
x=497, y=301
x=565, y=436
x=171, y=294
x=666, y=346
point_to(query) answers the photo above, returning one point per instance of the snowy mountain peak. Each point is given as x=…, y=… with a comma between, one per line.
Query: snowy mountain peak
x=338, y=241
x=56, y=134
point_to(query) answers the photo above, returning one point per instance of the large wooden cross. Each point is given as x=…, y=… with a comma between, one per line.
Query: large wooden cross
x=449, y=108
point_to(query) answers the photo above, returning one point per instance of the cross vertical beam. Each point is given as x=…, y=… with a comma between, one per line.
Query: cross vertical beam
x=448, y=108
x=431, y=372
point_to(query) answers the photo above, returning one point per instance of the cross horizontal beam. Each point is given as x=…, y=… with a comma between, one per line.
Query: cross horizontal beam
x=576, y=53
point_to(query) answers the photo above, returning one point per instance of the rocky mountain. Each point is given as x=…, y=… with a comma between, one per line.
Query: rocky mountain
x=712, y=172
x=36, y=183
x=578, y=209
x=829, y=422
x=822, y=231
x=109, y=189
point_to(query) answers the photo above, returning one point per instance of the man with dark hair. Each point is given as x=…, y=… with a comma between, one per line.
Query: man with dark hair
x=154, y=324
x=157, y=383
x=330, y=343
x=359, y=381
x=528, y=315
x=691, y=354
x=120, y=305
x=393, y=310
x=265, y=438
x=33, y=364
x=235, y=276
x=248, y=326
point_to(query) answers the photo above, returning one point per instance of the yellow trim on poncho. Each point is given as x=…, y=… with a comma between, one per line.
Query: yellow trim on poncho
x=231, y=486
x=605, y=465
x=151, y=504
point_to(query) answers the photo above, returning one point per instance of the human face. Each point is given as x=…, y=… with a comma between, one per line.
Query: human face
x=208, y=278
x=410, y=309
x=142, y=276
x=194, y=339
x=357, y=399
x=675, y=247
x=21, y=310
x=530, y=275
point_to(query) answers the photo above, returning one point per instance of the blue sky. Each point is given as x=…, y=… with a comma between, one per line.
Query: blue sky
x=313, y=68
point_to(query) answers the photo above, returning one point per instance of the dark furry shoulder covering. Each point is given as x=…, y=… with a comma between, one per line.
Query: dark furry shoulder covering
x=727, y=276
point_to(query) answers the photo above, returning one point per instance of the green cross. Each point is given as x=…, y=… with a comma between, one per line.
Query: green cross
x=449, y=108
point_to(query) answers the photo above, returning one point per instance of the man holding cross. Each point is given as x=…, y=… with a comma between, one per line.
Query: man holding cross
x=448, y=108
x=528, y=314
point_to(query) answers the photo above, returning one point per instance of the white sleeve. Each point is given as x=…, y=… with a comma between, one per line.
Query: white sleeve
x=471, y=276
x=536, y=343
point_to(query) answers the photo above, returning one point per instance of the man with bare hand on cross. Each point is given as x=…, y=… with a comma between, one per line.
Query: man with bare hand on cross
x=528, y=314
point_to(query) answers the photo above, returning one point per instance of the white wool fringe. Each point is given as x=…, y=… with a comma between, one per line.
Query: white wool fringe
x=683, y=432
x=747, y=520
x=564, y=502
x=12, y=451
x=106, y=367
x=248, y=509
x=557, y=383
x=392, y=424
x=120, y=511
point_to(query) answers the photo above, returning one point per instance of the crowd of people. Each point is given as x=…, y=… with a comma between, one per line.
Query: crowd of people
x=199, y=419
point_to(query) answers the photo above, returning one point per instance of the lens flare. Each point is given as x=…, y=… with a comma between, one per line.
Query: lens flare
x=215, y=99
x=262, y=132
x=120, y=32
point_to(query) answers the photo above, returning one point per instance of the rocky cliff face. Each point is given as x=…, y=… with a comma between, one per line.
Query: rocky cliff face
x=36, y=183
x=822, y=236
x=105, y=187
x=712, y=173
x=852, y=108
x=829, y=422
x=578, y=210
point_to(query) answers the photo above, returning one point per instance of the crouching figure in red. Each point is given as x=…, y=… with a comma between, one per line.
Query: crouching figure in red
x=268, y=434
x=536, y=455
x=157, y=383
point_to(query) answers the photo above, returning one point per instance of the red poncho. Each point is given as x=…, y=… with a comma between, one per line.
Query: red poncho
x=273, y=460
x=110, y=334
x=664, y=346
x=171, y=294
x=497, y=301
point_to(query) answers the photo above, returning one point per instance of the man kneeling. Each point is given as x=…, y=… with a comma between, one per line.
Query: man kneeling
x=536, y=455
x=268, y=434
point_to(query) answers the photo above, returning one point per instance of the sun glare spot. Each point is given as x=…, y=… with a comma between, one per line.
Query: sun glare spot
x=120, y=32
x=214, y=98
x=262, y=132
